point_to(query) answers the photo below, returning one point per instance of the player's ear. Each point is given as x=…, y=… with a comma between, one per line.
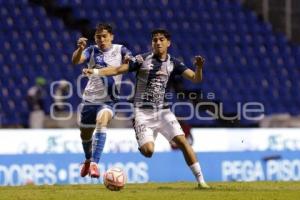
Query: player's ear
x=169, y=43
x=112, y=37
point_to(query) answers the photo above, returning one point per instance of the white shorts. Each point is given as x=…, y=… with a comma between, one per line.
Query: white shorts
x=148, y=123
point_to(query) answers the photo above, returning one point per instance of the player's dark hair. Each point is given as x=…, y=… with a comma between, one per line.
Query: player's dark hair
x=104, y=26
x=161, y=31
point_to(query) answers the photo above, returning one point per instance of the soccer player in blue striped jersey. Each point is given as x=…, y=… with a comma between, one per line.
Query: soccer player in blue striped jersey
x=152, y=112
x=98, y=97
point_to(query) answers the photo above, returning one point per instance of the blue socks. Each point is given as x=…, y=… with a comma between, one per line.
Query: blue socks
x=98, y=143
x=87, y=148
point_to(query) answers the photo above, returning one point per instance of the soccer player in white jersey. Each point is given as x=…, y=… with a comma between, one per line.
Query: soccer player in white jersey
x=98, y=97
x=152, y=112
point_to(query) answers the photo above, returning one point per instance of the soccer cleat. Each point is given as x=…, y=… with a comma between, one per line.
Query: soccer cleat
x=85, y=168
x=94, y=171
x=203, y=185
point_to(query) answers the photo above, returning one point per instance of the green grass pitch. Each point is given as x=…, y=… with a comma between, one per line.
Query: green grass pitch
x=158, y=191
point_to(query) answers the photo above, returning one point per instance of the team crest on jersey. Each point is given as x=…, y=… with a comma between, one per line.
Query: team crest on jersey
x=99, y=59
x=114, y=53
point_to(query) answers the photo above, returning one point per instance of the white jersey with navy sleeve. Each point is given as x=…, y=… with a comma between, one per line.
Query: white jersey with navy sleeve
x=153, y=76
x=100, y=89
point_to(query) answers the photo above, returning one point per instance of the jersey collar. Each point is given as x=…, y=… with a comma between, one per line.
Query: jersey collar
x=158, y=59
x=105, y=50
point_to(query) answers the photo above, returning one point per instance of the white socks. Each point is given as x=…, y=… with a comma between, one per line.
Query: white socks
x=196, y=169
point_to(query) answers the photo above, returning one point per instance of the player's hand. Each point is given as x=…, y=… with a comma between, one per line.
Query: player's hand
x=127, y=58
x=139, y=59
x=87, y=72
x=81, y=43
x=199, y=61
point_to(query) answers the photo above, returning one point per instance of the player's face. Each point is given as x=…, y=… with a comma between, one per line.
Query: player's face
x=104, y=39
x=160, y=44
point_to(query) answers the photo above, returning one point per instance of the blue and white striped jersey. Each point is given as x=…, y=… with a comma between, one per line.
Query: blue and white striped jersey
x=153, y=76
x=100, y=89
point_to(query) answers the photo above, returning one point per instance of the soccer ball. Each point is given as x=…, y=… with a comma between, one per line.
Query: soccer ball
x=114, y=179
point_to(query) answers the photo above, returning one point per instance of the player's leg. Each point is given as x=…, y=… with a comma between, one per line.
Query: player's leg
x=86, y=138
x=186, y=149
x=86, y=134
x=172, y=131
x=147, y=149
x=87, y=121
x=145, y=136
x=103, y=118
x=191, y=159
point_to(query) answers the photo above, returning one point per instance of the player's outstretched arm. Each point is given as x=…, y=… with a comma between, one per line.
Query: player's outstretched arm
x=107, y=71
x=110, y=70
x=195, y=76
x=77, y=57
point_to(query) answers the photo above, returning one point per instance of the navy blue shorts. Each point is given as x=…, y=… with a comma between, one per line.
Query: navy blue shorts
x=89, y=112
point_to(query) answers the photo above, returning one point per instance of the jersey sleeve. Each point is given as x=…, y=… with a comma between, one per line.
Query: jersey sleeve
x=125, y=52
x=179, y=67
x=87, y=52
x=135, y=63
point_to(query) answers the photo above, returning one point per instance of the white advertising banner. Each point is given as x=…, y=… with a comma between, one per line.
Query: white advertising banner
x=254, y=139
x=27, y=141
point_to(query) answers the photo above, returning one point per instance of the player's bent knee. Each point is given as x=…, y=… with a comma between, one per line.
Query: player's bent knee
x=104, y=120
x=147, y=153
x=147, y=150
